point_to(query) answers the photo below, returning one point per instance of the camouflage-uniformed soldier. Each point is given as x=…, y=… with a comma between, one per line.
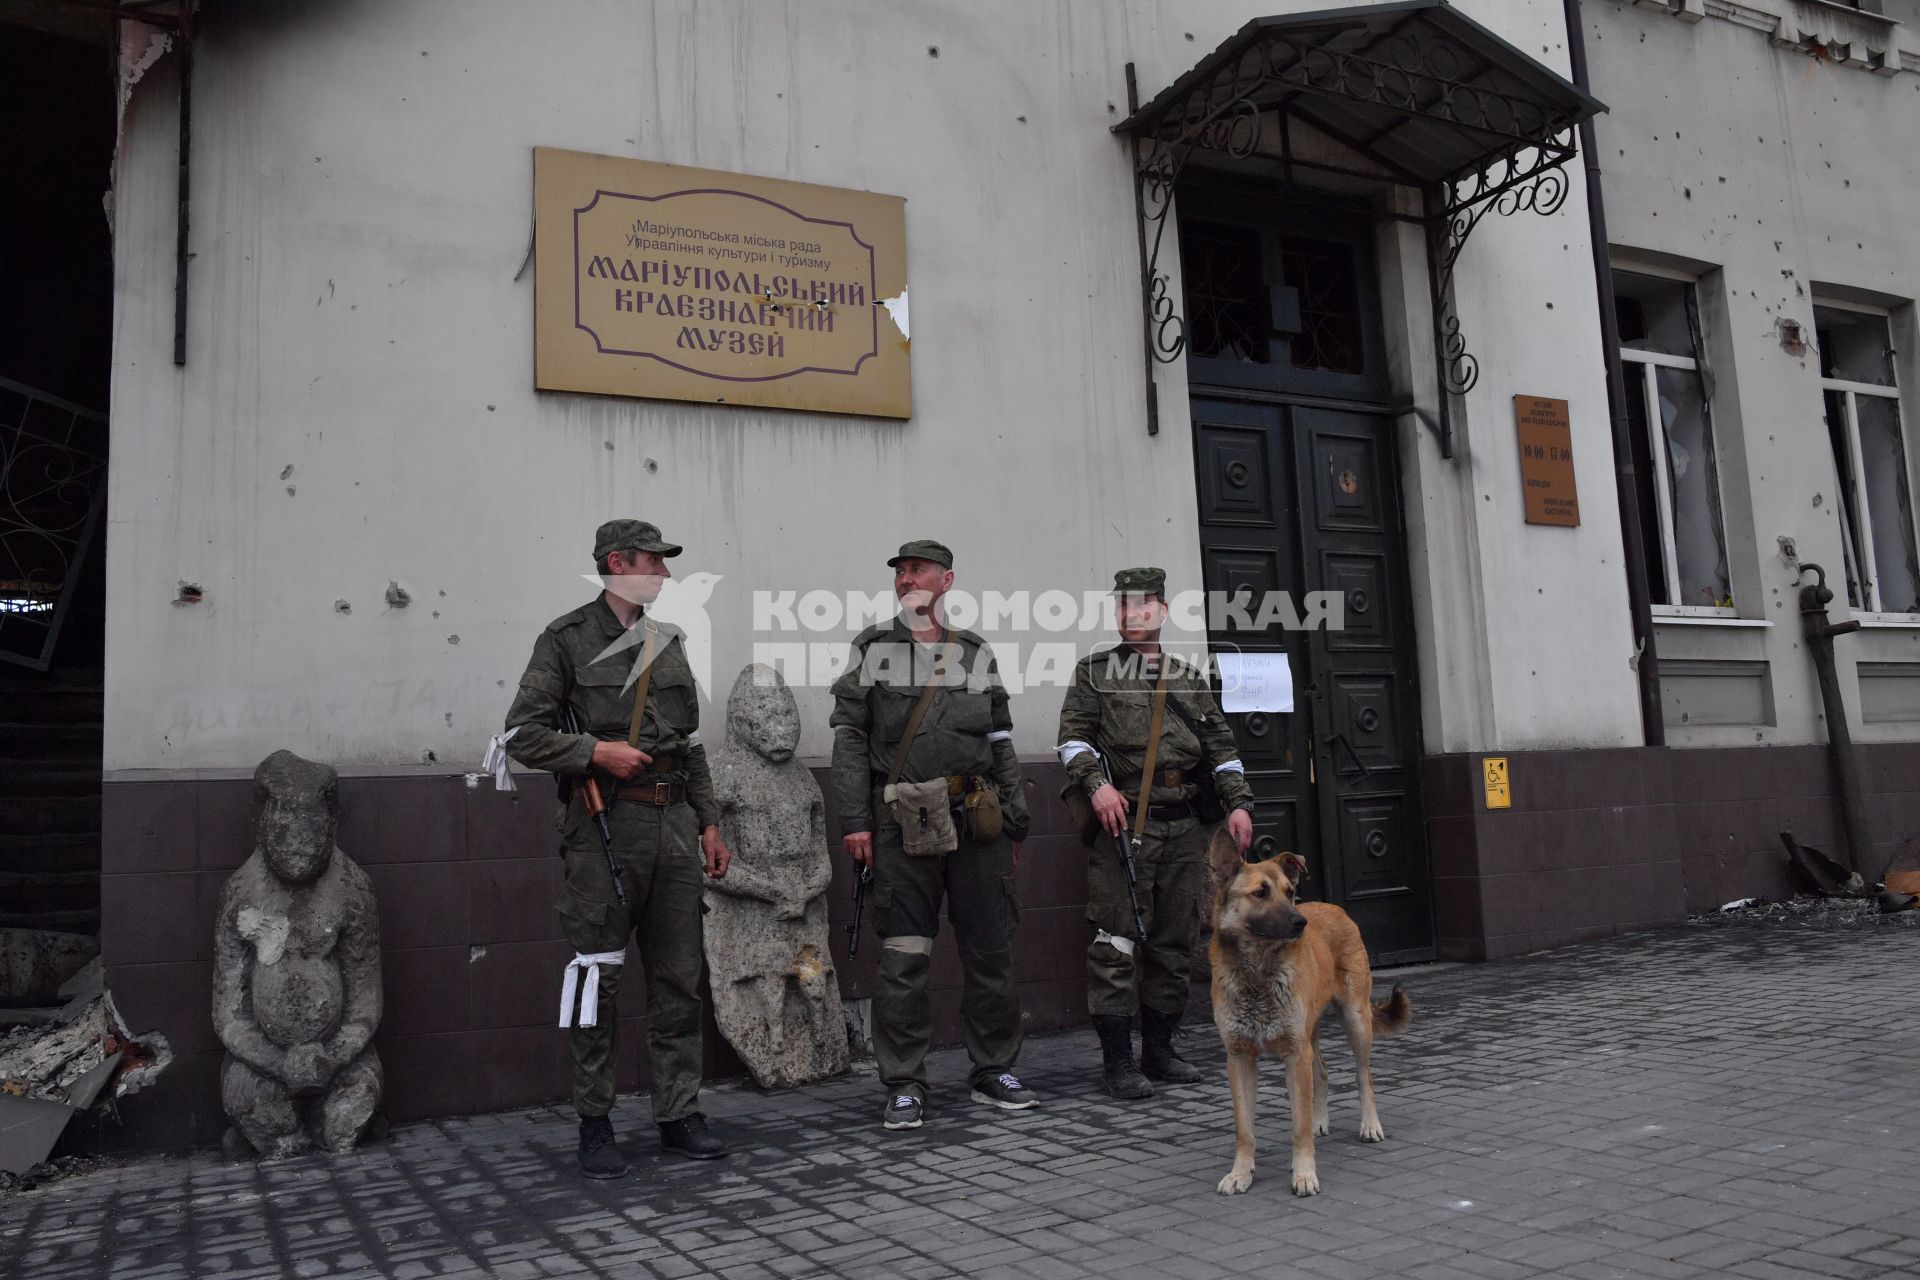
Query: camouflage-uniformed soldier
x=1109, y=710
x=965, y=738
x=663, y=818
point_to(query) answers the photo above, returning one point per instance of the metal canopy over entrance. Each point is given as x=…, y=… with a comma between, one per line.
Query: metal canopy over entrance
x=1410, y=94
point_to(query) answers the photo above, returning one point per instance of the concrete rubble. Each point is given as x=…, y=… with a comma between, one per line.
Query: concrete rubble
x=82, y=1057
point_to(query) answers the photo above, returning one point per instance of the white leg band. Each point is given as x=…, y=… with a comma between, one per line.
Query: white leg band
x=912, y=944
x=1123, y=945
x=590, y=998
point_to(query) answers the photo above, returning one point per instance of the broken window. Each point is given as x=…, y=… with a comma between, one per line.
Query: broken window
x=1870, y=459
x=1683, y=527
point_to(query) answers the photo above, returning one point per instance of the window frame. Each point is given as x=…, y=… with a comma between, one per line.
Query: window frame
x=1657, y=444
x=1857, y=535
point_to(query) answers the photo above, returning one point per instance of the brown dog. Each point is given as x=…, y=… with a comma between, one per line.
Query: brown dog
x=1277, y=963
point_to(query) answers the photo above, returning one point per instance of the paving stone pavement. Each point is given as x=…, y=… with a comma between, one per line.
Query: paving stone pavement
x=1727, y=1101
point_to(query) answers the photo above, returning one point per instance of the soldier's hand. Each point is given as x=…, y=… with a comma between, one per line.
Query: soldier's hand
x=859, y=845
x=1111, y=808
x=619, y=759
x=718, y=856
x=1240, y=827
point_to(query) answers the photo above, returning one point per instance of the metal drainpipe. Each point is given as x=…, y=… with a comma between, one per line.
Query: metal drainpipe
x=1815, y=596
x=1653, y=722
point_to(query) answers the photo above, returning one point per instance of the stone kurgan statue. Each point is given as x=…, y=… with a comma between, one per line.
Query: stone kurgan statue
x=768, y=956
x=296, y=974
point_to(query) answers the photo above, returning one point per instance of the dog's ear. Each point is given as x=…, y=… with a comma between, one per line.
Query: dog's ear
x=1224, y=854
x=1293, y=866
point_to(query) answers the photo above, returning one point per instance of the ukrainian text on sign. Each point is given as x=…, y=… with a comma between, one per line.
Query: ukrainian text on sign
x=688, y=284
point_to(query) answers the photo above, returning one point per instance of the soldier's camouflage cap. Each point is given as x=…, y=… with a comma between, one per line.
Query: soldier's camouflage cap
x=923, y=549
x=630, y=535
x=1142, y=581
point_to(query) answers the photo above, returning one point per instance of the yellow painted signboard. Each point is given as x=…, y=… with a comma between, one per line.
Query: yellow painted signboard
x=1499, y=794
x=673, y=283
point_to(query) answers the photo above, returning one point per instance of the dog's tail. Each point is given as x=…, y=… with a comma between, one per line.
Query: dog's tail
x=1391, y=1016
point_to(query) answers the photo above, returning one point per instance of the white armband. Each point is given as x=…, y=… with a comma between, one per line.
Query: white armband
x=1231, y=766
x=1071, y=748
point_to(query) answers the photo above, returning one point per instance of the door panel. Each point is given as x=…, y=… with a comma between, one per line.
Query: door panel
x=1364, y=701
x=1283, y=305
x=1248, y=548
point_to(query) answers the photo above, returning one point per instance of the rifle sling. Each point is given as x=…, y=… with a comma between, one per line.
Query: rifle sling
x=640, y=689
x=1154, y=727
x=934, y=678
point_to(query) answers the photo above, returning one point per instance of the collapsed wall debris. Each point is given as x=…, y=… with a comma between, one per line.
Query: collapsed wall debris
x=51, y=1070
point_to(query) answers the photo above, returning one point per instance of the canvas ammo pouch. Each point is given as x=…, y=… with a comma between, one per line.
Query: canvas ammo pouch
x=923, y=809
x=981, y=810
x=925, y=815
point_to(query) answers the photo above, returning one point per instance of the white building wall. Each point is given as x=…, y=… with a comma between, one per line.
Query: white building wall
x=358, y=403
x=1773, y=175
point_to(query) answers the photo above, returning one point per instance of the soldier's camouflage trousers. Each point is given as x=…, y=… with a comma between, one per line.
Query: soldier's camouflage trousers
x=977, y=882
x=1171, y=865
x=658, y=851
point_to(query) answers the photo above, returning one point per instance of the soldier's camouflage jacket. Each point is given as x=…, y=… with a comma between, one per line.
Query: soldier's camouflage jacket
x=967, y=730
x=1110, y=708
x=563, y=669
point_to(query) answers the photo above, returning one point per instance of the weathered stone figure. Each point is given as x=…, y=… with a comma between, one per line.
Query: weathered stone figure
x=296, y=974
x=769, y=957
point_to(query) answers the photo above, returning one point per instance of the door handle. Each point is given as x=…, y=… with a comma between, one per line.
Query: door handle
x=1340, y=739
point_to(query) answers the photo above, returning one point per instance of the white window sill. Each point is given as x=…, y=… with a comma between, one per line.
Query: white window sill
x=1853, y=12
x=1893, y=620
x=1709, y=620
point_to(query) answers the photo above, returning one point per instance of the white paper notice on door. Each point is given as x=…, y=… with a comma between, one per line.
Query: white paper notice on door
x=1255, y=682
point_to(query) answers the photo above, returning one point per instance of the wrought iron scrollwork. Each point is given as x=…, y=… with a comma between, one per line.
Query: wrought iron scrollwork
x=1234, y=130
x=1416, y=72
x=1531, y=179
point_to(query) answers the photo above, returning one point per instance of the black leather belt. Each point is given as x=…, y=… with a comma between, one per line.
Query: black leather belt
x=1161, y=778
x=1169, y=812
x=658, y=792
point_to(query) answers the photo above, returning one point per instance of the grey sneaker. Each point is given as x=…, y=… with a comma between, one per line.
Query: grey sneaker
x=903, y=1111
x=1004, y=1091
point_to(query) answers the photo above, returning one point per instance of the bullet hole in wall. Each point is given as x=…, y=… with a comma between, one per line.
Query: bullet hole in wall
x=188, y=593
x=398, y=596
x=342, y=606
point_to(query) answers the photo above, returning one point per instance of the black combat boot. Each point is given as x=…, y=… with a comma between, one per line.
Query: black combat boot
x=1118, y=1075
x=599, y=1156
x=1157, y=1058
x=690, y=1137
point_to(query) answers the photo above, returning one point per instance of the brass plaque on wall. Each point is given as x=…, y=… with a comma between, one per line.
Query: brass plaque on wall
x=1546, y=460
x=672, y=283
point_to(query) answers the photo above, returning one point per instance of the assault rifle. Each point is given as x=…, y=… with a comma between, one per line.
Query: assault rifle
x=1123, y=843
x=596, y=807
x=860, y=883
